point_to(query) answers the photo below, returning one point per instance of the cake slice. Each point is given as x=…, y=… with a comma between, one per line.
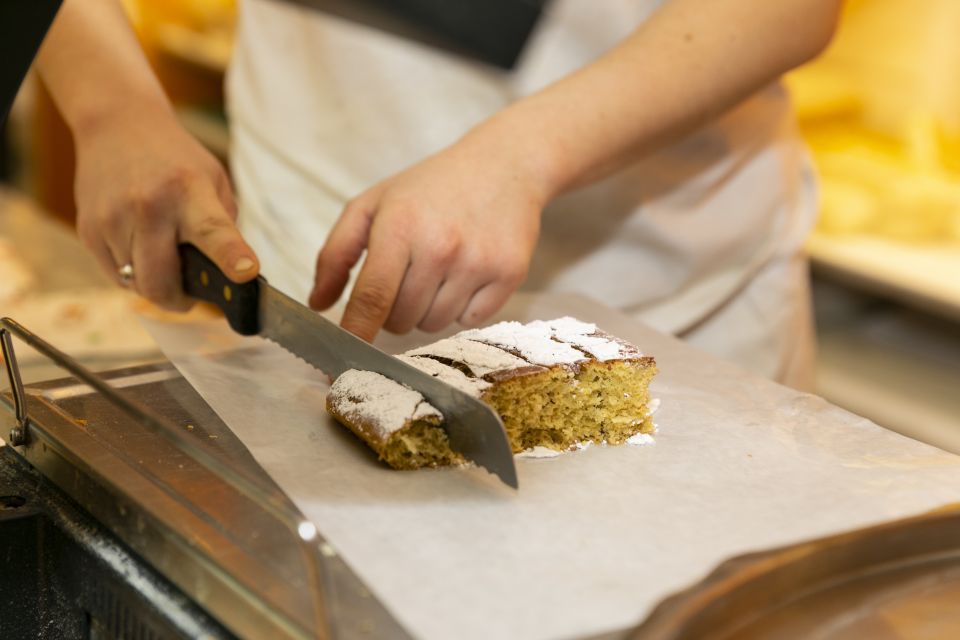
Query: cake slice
x=555, y=384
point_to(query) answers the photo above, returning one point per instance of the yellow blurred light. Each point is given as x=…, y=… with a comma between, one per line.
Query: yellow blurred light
x=881, y=112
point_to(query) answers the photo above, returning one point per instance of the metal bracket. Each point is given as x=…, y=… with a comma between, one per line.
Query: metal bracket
x=18, y=434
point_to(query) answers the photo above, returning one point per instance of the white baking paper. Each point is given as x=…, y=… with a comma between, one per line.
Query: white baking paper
x=593, y=539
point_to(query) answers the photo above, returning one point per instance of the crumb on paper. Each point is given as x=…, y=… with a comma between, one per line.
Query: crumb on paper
x=538, y=452
x=641, y=440
x=542, y=452
x=80, y=422
x=190, y=427
x=213, y=436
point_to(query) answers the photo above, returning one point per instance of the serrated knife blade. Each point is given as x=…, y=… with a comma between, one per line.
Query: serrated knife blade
x=256, y=307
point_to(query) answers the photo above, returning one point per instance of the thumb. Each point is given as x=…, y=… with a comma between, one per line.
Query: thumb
x=341, y=251
x=210, y=228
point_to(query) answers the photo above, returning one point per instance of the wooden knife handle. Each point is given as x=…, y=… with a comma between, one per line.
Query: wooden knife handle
x=204, y=280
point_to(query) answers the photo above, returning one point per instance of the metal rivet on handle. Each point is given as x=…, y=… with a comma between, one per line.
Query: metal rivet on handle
x=227, y=293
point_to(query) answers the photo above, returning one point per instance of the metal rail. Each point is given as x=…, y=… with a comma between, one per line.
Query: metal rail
x=303, y=531
x=18, y=434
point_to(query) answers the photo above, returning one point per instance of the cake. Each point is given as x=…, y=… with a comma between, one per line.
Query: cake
x=557, y=384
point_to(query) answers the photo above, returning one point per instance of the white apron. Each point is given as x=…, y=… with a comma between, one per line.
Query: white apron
x=701, y=239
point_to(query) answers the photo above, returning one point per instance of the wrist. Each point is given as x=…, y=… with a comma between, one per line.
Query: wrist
x=92, y=120
x=533, y=156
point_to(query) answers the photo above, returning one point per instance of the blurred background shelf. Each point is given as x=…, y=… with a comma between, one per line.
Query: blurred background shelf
x=898, y=366
x=888, y=327
x=923, y=276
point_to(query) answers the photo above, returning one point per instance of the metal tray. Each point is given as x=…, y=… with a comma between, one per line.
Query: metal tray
x=893, y=581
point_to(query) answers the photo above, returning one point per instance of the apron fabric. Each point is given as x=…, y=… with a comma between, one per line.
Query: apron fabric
x=701, y=239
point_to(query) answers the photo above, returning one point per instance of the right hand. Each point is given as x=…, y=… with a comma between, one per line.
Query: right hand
x=143, y=186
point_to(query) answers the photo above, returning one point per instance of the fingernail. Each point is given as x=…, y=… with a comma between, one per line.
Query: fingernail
x=243, y=264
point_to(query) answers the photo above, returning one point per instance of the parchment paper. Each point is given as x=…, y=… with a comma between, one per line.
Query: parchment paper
x=593, y=539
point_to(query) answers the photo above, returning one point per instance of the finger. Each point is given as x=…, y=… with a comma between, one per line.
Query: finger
x=226, y=196
x=341, y=252
x=208, y=227
x=486, y=302
x=420, y=286
x=157, y=274
x=449, y=303
x=376, y=288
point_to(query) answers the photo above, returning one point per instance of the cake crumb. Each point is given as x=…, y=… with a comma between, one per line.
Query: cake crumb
x=538, y=452
x=652, y=406
x=641, y=440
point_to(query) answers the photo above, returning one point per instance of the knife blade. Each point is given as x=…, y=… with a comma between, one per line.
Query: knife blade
x=256, y=308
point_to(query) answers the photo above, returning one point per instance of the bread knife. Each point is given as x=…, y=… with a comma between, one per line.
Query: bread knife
x=256, y=308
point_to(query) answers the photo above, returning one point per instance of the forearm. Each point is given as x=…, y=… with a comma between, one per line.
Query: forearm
x=95, y=69
x=689, y=63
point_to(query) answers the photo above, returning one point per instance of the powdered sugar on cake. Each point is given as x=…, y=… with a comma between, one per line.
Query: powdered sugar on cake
x=547, y=343
x=378, y=401
x=533, y=342
x=585, y=336
x=466, y=359
x=478, y=357
x=454, y=377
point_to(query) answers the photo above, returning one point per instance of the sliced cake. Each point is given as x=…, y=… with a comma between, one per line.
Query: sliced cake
x=555, y=384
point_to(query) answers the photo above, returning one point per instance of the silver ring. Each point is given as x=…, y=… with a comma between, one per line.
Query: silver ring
x=126, y=274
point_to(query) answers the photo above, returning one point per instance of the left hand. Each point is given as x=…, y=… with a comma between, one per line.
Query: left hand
x=449, y=239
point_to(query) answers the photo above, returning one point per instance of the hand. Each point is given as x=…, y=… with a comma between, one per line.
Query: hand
x=143, y=186
x=449, y=239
